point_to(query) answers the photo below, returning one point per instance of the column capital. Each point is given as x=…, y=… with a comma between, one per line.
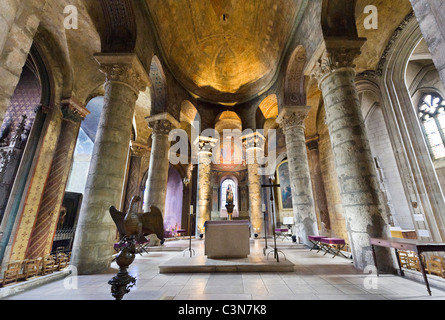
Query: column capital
x=312, y=142
x=205, y=144
x=338, y=54
x=124, y=68
x=73, y=111
x=138, y=149
x=162, y=123
x=293, y=116
x=254, y=140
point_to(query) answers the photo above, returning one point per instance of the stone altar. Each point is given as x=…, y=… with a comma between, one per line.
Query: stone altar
x=227, y=239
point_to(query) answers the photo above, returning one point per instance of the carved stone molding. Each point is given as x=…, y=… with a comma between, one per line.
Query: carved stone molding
x=138, y=149
x=312, y=142
x=125, y=69
x=73, y=111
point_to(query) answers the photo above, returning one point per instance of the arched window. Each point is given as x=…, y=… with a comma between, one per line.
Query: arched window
x=225, y=184
x=432, y=116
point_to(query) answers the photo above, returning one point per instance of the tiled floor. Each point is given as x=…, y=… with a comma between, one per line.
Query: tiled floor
x=315, y=277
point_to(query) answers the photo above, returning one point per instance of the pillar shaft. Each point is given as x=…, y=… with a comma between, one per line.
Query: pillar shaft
x=254, y=145
x=318, y=184
x=292, y=120
x=353, y=160
x=204, y=187
x=156, y=187
x=96, y=231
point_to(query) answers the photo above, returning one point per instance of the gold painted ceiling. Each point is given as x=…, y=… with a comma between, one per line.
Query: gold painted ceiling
x=224, y=51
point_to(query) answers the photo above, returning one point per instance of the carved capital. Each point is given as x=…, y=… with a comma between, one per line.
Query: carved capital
x=254, y=140
x=138, y=149
x=162, y=123
x=73, y=111
x=312, y=142
x=125, y=69
x=293, y=117
x=206, y=144
x=339, y=54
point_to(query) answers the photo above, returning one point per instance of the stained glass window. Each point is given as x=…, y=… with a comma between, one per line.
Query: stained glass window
x=432, y=116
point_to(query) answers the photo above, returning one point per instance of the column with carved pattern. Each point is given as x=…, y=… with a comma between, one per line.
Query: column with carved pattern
x=96, y=231
x=292, y=119
x=48, y=214
x=359, y=189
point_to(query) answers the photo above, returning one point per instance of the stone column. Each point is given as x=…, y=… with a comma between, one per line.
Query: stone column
x=204, y=187
x=156, y=187
x=358, y=182
x=291, y=120
x=96, y=231
x=48, y=214
x=318, y=184
x=254, y=144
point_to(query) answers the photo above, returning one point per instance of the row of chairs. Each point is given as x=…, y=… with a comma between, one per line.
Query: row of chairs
x=23, y=270
x=435, y=265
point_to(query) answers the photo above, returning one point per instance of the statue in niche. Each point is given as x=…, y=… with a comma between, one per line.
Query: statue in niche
x=229, y=202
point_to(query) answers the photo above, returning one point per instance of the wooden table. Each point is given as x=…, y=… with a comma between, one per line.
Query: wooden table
x=419, y=247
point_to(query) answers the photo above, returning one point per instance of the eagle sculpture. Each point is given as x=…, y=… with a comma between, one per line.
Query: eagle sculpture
x=138, y=225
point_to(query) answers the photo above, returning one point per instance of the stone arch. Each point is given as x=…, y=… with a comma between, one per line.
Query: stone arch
x=159, y=88
x=120, y=32
x=414, y=160
x=295, y=80
x=228, y=120
x=37, y=64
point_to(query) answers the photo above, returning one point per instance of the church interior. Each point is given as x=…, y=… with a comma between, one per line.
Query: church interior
x=222, y=149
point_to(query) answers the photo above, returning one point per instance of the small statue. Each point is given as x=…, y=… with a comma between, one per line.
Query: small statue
x=229, y=202
x=229, y=195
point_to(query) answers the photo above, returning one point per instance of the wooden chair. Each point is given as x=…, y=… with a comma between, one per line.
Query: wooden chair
x=436, y=266
x=48, y=265
x=62, y=261
x=12, y=273
x=30, y=269
x=403, y=259
x=413, y=263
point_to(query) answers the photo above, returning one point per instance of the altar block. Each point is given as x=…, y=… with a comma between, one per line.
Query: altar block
x=227, y=239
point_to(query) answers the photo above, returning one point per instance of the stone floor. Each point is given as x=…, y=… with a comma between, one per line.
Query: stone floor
x=315, y=277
